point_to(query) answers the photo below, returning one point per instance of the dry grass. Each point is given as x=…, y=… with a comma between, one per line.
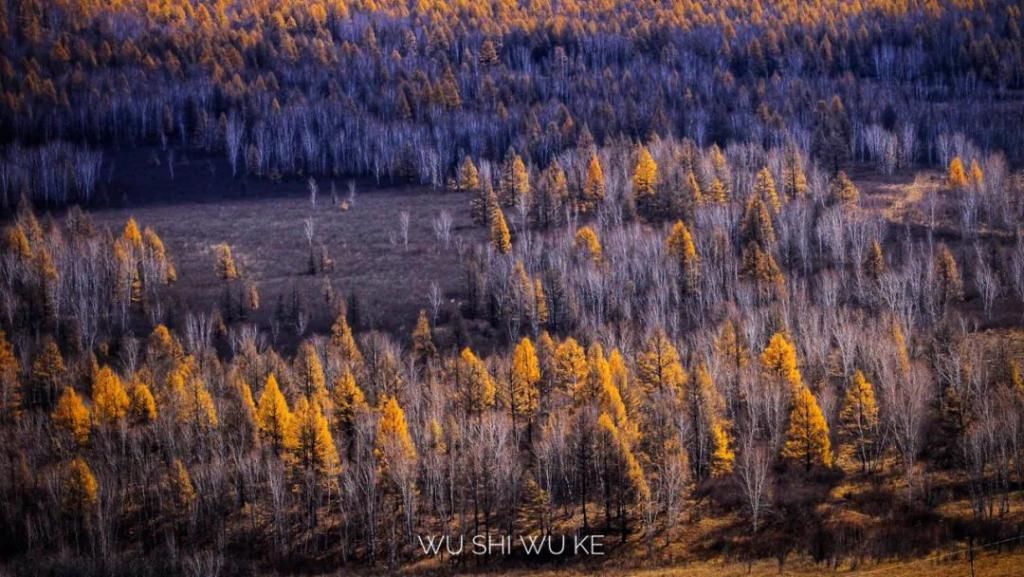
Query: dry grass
x=267, y=235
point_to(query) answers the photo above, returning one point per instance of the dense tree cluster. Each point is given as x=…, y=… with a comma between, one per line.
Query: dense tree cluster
x=389, y=89
x=745, y=348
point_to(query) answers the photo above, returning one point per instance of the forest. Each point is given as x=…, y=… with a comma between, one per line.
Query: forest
x=287, y=286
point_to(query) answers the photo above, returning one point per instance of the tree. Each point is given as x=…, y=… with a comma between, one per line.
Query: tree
x=757, y=224
x=515, y=181
x=48, y=372
x=831, y=137
x=682, y=250
x=469, y=178
x=81, y=491
x=180, y=483
x=110, y=400
x=950, y=283
x=422, y=341
x=343, y=344
x=794, y=181
x=500, y=236
x=192, y=400
x=348, y=401
x=645, y=174
x=72, y=416
x=843, y=191
x=658, y=367
x=273, y=417
x=874, y=264
x=570, y=368
x=859, y=417
x=807, y=439
x=723, y=458
x=764, y=189
x=11, y=400
x=588, y=243
x=142, y=409
x=778, y=361
x=593, y=187
x=310, y=372
x=956, y=175
x=225, y=266
x=313, y=450
x=478, y=390
x=525, y=374
x=393, y=438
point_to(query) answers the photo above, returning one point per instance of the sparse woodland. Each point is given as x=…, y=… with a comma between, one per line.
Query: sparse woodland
x=685, y=310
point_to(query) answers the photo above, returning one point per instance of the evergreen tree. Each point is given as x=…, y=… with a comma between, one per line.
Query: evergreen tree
x=807, y=439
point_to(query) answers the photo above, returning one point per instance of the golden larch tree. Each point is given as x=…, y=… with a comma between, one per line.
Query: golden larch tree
x=570, y=366
x=273, y=417
x=779, y=362
x=393, y=438
x=645, y=173
x=956, y=176
x=658, y=367
x=476, y=383
x=764, y=188
x=681, y=249
x=343, y=343
x=422, y=339
x=593, y=187
x=80, y=490
x=314, y=449
x=225, y=265
x=109, y=398
x=807, y=438
x=11, y=400
x=587, y=241
x=72, y=416
x=501, y=238
x=525, y=374
x=859, y=417
x=142, y=409
x=843, y=191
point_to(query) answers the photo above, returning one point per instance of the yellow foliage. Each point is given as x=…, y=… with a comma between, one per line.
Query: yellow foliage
x=956, y=176
x=344, y=344
x=593, y=187
x=72, y=416
x=658, y=366
x=587, y=241
x=778, y=361
x=478, y=390
x=273, y=417
x=393, y=431
x=422, y=341
x=192, y=400
x=81, y=490
x=132, y=235
x=570, y=366
x=348, y=400
x=180, y=482
x=143, y=406
x=807, y=439
x=501, y=238
x=723, y=458
x=225, y=266
x=525, y=375
x=109, y=398
x=314, y=448
x=645, y=173
x=764, y=188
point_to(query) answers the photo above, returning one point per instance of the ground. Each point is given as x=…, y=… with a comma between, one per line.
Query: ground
x=265, y=224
